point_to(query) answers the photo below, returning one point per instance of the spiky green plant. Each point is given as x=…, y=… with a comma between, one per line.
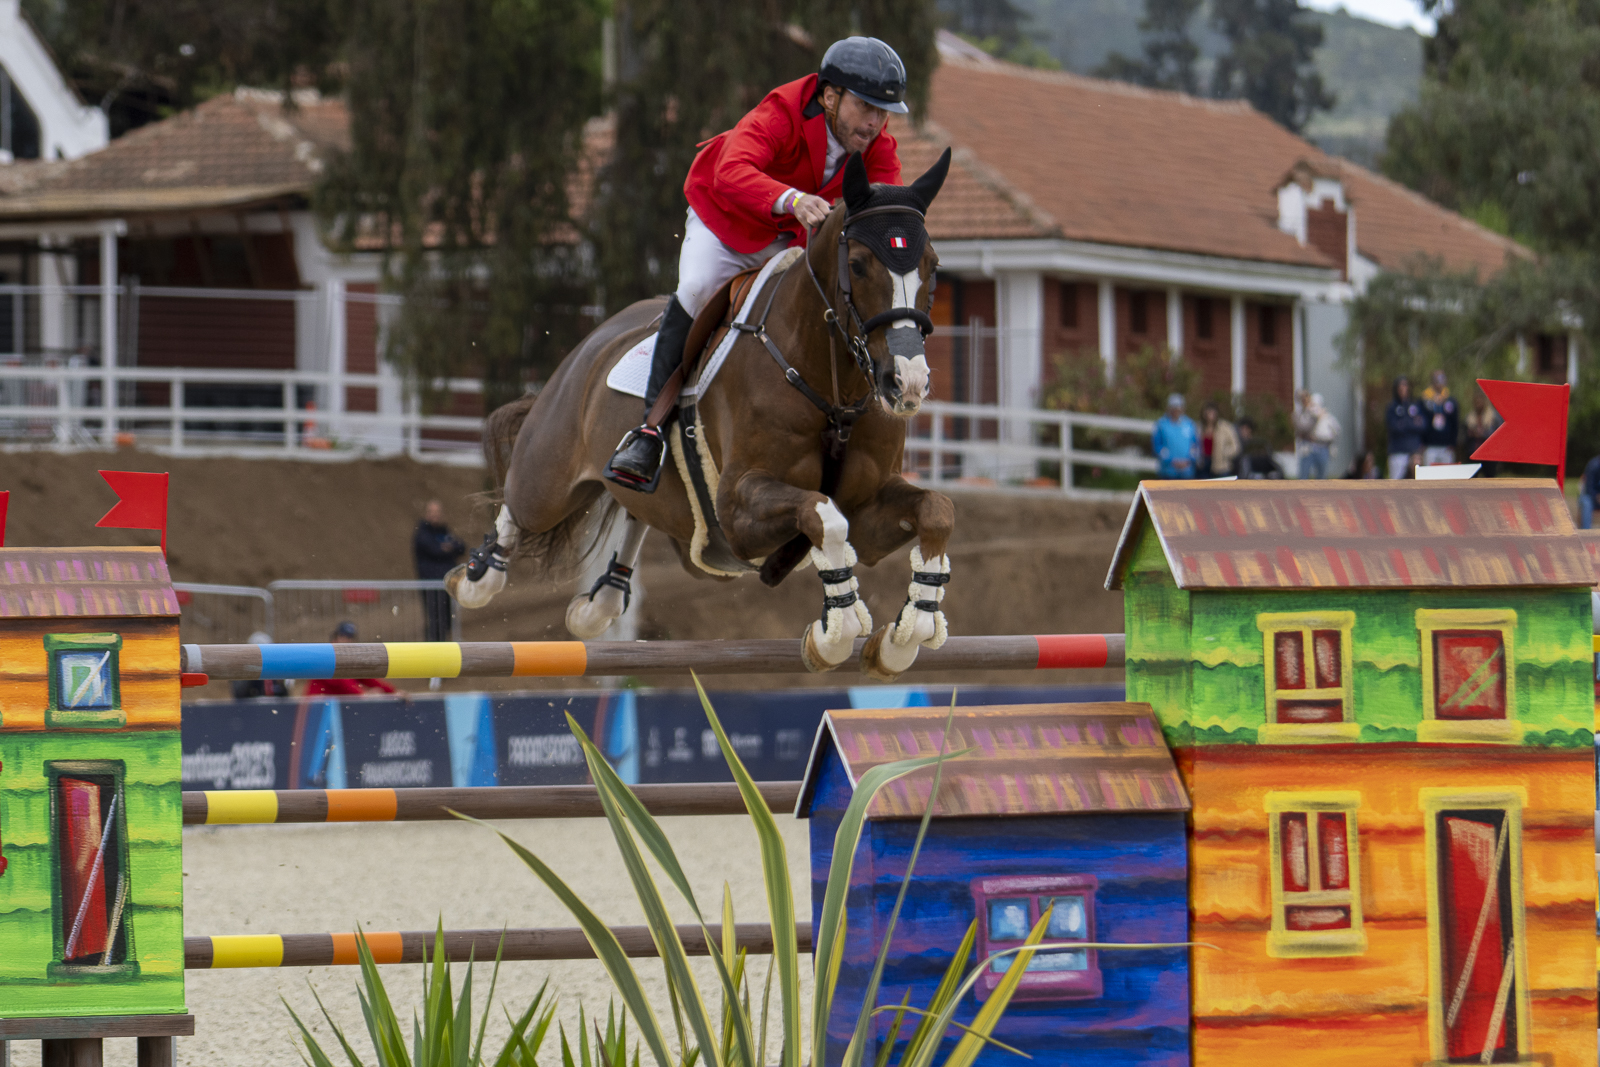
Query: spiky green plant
x=443, y=1034
x=741, y=1038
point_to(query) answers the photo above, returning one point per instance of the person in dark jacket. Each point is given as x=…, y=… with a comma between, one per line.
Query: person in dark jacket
x=1405, y=421
x=435, y=550
x=1444, y=422
x=1588, y=489
x=1255, y=454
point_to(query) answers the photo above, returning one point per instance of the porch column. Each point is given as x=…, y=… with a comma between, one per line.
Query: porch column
x=1019, y=307
x=334, y=295
x=109, y=232
x=1108, y=327
x=1175, y=323
x=1572, y=359
x=1236, y=343
x=1298, y=344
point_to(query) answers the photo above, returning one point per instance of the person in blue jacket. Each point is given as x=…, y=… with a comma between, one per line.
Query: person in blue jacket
x=1405, y=420
x=1176, y=442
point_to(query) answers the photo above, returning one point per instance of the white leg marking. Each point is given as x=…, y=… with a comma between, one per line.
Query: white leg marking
x=835, y=634
x=911, y=375
x=917, y=627
x=589, y=616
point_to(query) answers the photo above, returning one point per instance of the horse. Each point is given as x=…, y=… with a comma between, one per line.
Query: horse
x=796, y=476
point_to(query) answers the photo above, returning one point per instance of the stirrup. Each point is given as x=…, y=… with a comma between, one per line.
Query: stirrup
x=616, y=576
x=483, y=558
x=629, y=480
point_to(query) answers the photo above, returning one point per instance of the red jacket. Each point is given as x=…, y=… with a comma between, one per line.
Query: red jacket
x=346, y=687
x=780, y=145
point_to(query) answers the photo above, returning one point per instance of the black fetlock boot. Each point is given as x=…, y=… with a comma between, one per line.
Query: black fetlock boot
x=638, y=459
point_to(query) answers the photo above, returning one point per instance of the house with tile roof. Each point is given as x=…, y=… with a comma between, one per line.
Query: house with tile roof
x=1091, y=218
x=1379, y=696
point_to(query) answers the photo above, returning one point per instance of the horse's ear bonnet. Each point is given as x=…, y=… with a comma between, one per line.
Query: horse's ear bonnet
x=897, y=238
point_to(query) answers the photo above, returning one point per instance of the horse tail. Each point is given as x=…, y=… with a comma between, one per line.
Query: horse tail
x=500, y=431
x=559, y=553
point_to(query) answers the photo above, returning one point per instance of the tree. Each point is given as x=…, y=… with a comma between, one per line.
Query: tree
x=1270, y=59
x=142, y=59
x=466, y=126
x=689, y=69
x=1169, y=52
x=1000, y=28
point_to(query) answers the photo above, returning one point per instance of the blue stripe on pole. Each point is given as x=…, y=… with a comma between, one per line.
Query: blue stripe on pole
x=297, y=661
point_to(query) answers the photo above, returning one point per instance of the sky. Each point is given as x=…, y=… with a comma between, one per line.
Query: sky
x=1390, y=12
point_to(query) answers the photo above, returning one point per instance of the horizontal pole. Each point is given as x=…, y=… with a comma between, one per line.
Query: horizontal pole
x=257, y=806
x=577, y=659
x=415, y=946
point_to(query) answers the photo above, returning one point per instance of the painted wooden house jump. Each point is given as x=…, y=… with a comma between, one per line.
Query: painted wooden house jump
x=1381, y=699
x=1079, y=804
x=91, y=887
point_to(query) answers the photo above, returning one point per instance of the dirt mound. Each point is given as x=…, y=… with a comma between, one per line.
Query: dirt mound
x=1022, y=564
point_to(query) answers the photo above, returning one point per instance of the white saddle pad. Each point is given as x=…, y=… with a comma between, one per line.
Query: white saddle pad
x=631, y=375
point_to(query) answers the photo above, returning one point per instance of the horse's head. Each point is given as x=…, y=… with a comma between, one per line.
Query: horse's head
x=885, y=274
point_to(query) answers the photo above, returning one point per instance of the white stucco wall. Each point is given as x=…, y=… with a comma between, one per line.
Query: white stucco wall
x=67, y=127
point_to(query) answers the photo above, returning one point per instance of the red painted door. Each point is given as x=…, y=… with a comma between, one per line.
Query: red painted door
x=83, y=883
x=1478, y=941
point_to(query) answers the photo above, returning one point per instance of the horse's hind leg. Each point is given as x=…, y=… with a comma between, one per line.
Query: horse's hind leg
x=591, y=614
x=901, y=509
x=475, y=582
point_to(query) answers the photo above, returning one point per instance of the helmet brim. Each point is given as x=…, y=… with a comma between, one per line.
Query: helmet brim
x=887, y=105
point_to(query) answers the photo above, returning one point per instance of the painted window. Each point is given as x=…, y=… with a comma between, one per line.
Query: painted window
x=1468, y=675
x=1316, y=880
x=85, y=687
x=92, y=921
x=1308, y=677
x=1007, y=909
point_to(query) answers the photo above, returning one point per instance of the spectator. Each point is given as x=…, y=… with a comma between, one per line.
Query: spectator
x=345, y=633
x=1587, y=490
x=1315, y=431
x=1405, y=421
x=1444, y=422
x=1219, y=443
x=259, y=687
x=435, y=550
x=1365, y=467
x=1176, y=442
x=1255, y=455
x=1479, y=423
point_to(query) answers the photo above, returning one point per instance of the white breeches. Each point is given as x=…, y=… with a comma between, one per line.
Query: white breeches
x=706, y=264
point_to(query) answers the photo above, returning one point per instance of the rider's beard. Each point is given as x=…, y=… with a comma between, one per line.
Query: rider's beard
x=842, y=133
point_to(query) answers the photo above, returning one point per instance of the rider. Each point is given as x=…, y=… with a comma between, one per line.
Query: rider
x=758, y=188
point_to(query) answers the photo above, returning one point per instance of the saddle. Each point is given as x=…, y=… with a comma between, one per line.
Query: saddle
x=707, y=331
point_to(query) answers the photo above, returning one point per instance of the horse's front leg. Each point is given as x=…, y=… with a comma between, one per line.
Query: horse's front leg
x=759, y=513
x=881, y=526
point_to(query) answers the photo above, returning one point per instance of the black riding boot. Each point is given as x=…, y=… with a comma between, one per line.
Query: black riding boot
x=637, y=462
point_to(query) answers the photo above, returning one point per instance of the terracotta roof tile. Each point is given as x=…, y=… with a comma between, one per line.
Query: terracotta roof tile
x=1490, y=533
x=1118, y=164
x=1029, y=759
x=84, y=583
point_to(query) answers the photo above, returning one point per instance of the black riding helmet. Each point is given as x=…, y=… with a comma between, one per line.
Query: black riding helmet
x=868, y=68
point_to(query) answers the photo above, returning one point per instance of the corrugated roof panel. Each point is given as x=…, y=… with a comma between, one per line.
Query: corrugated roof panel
x=1029, y=759
x=85, y=582
x=1361, y=535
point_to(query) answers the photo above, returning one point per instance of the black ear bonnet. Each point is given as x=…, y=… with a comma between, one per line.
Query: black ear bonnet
x=897, y=238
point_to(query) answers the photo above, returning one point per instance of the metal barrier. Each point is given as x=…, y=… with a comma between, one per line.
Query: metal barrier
x=381, y=610
x=226, y=614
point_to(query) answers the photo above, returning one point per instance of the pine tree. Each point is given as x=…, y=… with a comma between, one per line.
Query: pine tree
x=1000, y=28
x=1270, y=59
x=1169, y=52
x=466, y=123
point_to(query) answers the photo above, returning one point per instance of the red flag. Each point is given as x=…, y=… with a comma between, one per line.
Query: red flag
x=1533, y=427
x=141, y=503
x=5, y=499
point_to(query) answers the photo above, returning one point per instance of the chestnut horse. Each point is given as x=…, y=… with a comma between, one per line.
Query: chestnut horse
x=805, y=424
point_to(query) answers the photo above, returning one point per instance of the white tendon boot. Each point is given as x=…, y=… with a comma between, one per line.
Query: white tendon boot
x=829, y=641
x=591, y=614
x=477, y=594
x=920, y=624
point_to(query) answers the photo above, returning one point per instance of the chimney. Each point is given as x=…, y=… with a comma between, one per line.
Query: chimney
x=1313, y=210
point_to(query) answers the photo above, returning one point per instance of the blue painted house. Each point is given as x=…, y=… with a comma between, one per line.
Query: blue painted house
x=1075, y=804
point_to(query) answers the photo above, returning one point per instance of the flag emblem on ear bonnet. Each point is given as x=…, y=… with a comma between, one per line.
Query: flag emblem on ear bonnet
x=897, y=242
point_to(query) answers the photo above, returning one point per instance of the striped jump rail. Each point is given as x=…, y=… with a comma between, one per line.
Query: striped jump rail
x=415, y=946
x=577, y=659
x=256, y=806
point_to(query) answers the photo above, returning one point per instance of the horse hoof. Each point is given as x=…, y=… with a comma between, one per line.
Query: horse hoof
x=876, y=663
x=470, y=594
x=811, y=655
x=586, y=618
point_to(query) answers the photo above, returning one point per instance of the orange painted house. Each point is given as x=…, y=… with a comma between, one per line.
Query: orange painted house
x=1381, y=699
